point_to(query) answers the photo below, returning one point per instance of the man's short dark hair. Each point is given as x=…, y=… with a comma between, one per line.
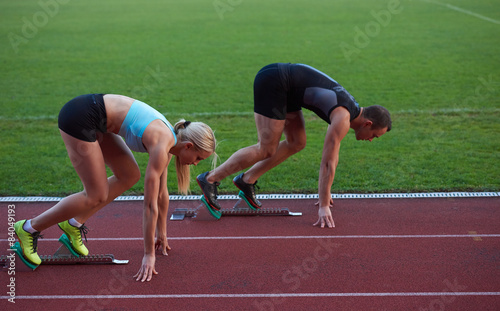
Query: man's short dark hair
x=380, y=117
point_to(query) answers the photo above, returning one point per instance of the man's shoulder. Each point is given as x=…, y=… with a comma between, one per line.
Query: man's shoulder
x=339, y=116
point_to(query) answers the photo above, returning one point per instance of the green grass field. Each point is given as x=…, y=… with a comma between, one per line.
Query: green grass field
x=436, y=68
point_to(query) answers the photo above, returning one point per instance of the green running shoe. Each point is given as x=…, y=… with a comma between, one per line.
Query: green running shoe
x=28, y=242
x=74, y=234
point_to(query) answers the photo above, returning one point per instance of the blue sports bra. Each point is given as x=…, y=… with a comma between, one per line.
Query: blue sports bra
x=139, y=116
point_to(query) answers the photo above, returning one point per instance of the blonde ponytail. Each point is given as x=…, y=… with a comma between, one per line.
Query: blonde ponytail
x=202, y=136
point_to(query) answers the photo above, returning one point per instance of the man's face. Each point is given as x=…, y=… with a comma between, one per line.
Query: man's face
x=366, y=132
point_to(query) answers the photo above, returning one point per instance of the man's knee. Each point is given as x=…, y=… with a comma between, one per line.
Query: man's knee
x=297, y=145
x=266, y=151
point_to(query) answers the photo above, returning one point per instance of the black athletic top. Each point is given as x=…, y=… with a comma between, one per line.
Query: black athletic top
x=279, y=89
x=298, y=77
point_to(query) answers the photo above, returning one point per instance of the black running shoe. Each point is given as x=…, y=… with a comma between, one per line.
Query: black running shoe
x=209, y=190
x=247, y=192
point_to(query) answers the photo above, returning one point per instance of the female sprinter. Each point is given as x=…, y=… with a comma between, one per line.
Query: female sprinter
x=91, y=126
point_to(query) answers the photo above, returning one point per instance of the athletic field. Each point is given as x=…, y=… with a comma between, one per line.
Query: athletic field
x=434, y=64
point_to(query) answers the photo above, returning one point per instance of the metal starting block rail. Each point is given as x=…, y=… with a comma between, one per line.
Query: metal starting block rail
x=239, y=209
x=64, y=255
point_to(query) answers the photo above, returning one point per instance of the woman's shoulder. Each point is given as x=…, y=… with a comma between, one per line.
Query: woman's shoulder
x=118, y=99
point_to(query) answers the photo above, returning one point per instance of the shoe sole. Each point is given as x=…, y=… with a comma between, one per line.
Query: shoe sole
x=66, y=242
x=25, y=259
x=241, y=194
x=217, y=214
x=206, y=201
x=19, y=251
x=70, y=243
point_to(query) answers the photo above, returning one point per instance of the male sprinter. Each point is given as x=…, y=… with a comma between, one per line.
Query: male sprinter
x=280, y=92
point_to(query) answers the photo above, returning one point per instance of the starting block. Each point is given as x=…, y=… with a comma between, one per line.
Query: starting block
x=241, y=208
x=65, y=255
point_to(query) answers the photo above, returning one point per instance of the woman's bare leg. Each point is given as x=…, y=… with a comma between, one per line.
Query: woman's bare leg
x=88, y=161
x=122, y=163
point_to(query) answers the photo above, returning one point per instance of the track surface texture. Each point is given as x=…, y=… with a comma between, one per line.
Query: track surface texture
x=383, y=254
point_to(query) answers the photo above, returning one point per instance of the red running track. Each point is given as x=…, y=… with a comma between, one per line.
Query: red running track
x=384, y=254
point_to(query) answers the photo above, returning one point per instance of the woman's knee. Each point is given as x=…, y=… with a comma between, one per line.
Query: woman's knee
x=96, y=197
x=129, y=176
x=132, y=175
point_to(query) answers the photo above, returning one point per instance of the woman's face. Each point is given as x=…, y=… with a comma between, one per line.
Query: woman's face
x=190, y=155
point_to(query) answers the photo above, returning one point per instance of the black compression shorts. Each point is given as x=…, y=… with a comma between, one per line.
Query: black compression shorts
x=84, y=116
x=270, y=93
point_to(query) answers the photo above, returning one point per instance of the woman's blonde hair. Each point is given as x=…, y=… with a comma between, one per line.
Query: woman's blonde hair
x=203, y=138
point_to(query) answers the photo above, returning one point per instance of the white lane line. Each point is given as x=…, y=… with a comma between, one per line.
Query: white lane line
x=285, y=237
x=456, y=8
x=270, y=295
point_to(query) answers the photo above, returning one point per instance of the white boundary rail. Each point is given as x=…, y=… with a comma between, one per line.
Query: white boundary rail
x=286, y=196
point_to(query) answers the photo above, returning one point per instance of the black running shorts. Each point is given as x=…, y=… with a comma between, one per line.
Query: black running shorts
x=270, y=92
x=84, y=116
